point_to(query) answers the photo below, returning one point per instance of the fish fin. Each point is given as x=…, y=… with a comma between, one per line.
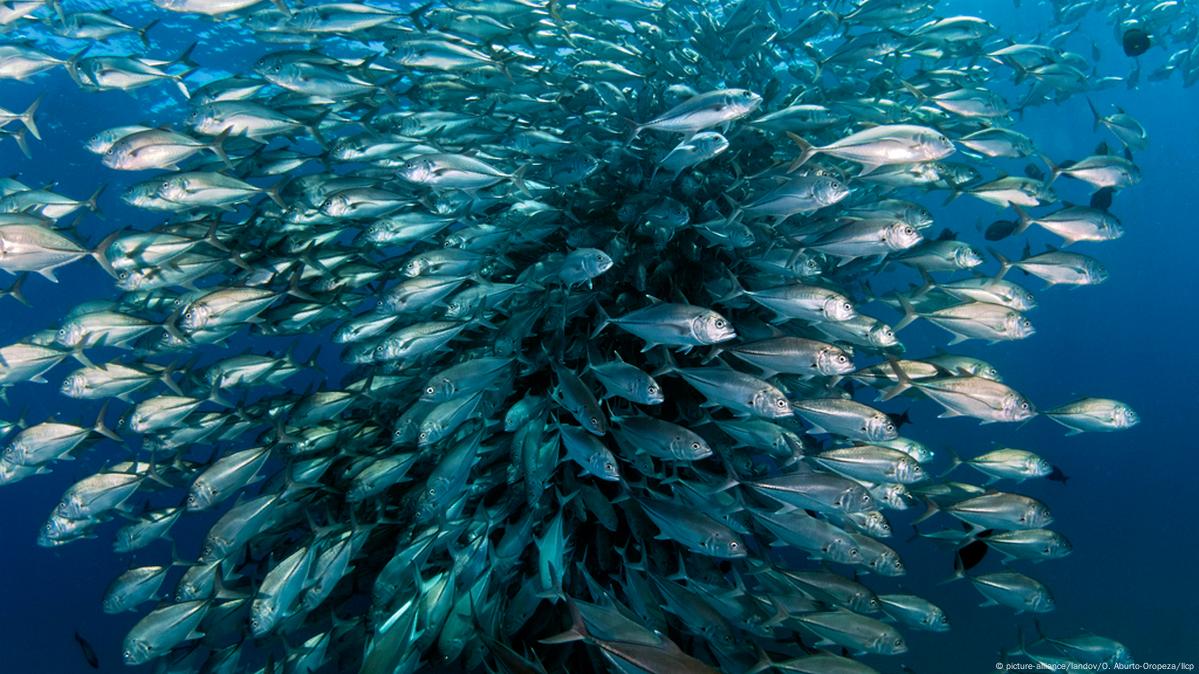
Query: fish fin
x=806, y=150
x=27, y=117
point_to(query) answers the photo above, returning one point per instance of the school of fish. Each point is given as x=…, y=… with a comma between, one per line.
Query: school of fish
x=609, y=298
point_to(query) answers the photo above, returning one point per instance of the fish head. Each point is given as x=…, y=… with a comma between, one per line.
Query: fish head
x=419, y=170
x=431, y=430
x=195, y=316
x=74, y=385
x=135, y=279
x=439, y=389
x=431, y=499
x=117, y=156
x=70, y=333
x=890, y=643
x=841, y=549
x=901, y=236
x=966, y=257
x=595, y=262
x=215, y=547
x=652, y=393
x=889, y=564
x=883, y=336
x=1042, y=602
x=686, y=447
x=743, y=101
x=1022, y=300
x=1017, y=408
x=1123, y=416
x=908, y=470
x=855, y=500
x=935, y=145
x=838, y=308
x=142, y=194
x=827, y=190
x=833, y=361
x=1018, y=326
x=1095, y=272
x=771, y=404
x=262, y=617
x=603, y=465
x=936, y=621
x=338, y=206
x=724, y=545
x=136, y=651
x=200, y=496
x=875, y=523
x=1036, y=516
x=16, y=454
x=415, y=267
x=710, y=327
x=1038, y=466
x=880, y=428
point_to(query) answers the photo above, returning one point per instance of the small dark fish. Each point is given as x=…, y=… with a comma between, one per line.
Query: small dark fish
x=1033, y=171
x=970, y=555
x=1136, y=42
x=1102, y=148
x=89, y=653
x=1000, y=229
x=900, y=419
x=1102, y=199
x=1058, y=476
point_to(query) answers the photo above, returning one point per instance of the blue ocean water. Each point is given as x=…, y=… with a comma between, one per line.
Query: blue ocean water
x=1127, y=508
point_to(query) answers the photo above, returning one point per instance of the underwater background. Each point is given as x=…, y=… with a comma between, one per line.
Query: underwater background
x=1128, y=506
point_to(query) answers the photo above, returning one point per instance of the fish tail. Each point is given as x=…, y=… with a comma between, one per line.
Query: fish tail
x=100, y=426
x=954, y=462
x=905, y=382
x=806, y=150
x=909, y=313
x=605, y=321
x=99, y=251
x=141, y=32
x=15, y=290
x=27, y=117
x=577, y=631
x=22, y=142
x=72, y=64
x=1096, y=118
x=217, y=146
x=92, y=202
x=931, y=508
x=1004, y=264
x=1025, y=221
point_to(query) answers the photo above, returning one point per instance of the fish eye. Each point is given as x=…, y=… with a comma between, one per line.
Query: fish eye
x=899, y=642
x=719, y=323
x=842, y=359
x=781, y=403
x=429, y=390
x=594, y=421
x=847, y=306
x=1024, y=405
x=695, y=446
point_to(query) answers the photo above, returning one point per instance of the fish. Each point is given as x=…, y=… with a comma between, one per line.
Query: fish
x=89, y=653
x=598, y=305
